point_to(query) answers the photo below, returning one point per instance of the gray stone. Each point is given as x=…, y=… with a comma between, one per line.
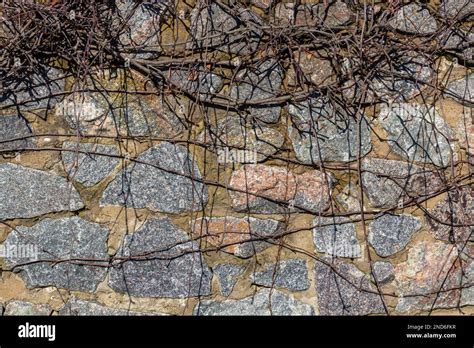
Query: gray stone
x=330, y=15
x=462, y=89
x=78, y=307
x=27, y=193
x=458, y=40
x=388, y=234
x=417, y=133
x=415, y=19
x=213, y=27
x=85, y=167
x=389, y=183
x=264, y=302
x=347, y=292
x=321, y=133
x=336, y=236
x=228, y=274
x=14, y=127
x=195, y=81
x=456, y=8
x=262, y=82
x=65, y=239
x=166, y=179
x=26, y=308
x=383, y=271
x=164, y=263
x=289, y=274
x=467, y=293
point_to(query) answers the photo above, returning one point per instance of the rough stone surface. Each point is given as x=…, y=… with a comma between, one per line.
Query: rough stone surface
x=26, y=308
x=430, y=267
x=260, y=83
x=335, y=14
x=462, y=89
x=235, y=233
x=452, y=219
x=195, y=81
x=456, y=8
x=275, y=189
x=211, y=25
x=85, y=167
x=14, y=127
x=290, y=274
x=237, y=141
x=390, y=183
x=29, y=192
x=61, y=239
x=458, y=40
x=413, y=18
x=336, y=236
x=311, y=67
x=347, y=295
x=417, y=133
x=384, y=272
x=172, y=266
x=348, y=198
x=228, y=274
x=264, y=302
x=389, y=234
x=166, y=179
x=321, y=133
x=78, y=307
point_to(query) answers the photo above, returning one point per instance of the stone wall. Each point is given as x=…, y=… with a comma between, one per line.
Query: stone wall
x=245, y=180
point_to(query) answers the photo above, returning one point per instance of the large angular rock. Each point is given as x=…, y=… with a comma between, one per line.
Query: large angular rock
x=336, y=236
x=319, y=132
x=164, y=178
x=14, y=127
x=78, y=307
x=68, y=240
x=160, y=261
x=290, y=274
x=195, y=80
x=242, y=237
x=213, y=26
x=458, y=40
x=462, y=89
x=456, y=8
x=238, y=141
x=83, y=165
x=264, y=302
x=388, y=234
x=266, y=189
x=334, y=14
x=452, y=219
x=228, y=274
x=417, y=133
x=414, y=19
x=389, y=183
x=383, y=272
x=311, y=67
x=429, y=278
x=26, y=308
x=348, y=292
x=27, y=193
x=259, y=83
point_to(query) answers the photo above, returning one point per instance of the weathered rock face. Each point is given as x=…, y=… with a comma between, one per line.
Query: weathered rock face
x=164, y=178
x=26, y=308
x=237, y=141
x=239, y=236
x=78, y=307
x=311, y=67
x=389, y=183
x=452, y=219
x=212, y=25
x=83, y=163
x=14, y=127
x=228, y=274
x=462, y=89
x=352, y=294
x=417, y=133
x=267, y=189
x=336, y=236
x=264, y=302
x=164, y=263
x=195, y=80
x=321, y=133
x=431, y=270
x=348, y=198
x=29, y=192
x=63, y=239
x=458, y=39
x=260, y=83
x=334, y=14
x=456, y=8
x=389, y=234
x=415, y=19
x=290, y=274
x=383, y=271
